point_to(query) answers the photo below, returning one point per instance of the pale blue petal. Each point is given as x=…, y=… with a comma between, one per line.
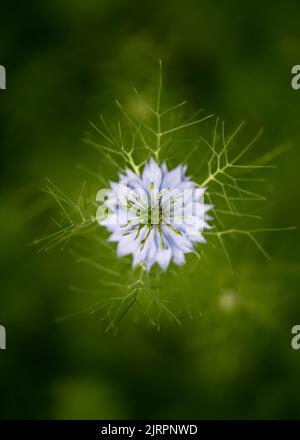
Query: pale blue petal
x=152, y=174
x=163, y=258
x=127, y=245
x=173, y=178
x=164, y=168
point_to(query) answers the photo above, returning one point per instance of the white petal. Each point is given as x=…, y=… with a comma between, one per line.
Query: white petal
x=131, y=175
x=164, y=168
x=178, y=256
x=172, y=178
x=151, y=258
x=152, y=175
x=195, y=209
x=163, y=258
x=127, y=245
x=182, y=242
x=121, y=192
x=140, y=254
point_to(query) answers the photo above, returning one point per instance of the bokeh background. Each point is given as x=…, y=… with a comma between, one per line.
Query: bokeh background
x=68, y=61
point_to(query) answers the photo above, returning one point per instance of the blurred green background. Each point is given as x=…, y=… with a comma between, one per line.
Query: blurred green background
x=66, y=62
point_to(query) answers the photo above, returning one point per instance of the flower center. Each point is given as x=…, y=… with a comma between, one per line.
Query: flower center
x=155, y=215
x=150, y=217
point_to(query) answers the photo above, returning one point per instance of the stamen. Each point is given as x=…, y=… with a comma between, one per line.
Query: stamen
x=141, y=226
x=162, y=244
x=177, y=231
x=143, y=242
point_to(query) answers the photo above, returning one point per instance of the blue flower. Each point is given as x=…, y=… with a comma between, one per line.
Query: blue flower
x=157, y=217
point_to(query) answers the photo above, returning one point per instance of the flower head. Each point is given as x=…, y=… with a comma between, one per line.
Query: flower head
x=157, y=217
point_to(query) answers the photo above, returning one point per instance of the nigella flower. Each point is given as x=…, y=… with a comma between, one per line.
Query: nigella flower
x=157, y=217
